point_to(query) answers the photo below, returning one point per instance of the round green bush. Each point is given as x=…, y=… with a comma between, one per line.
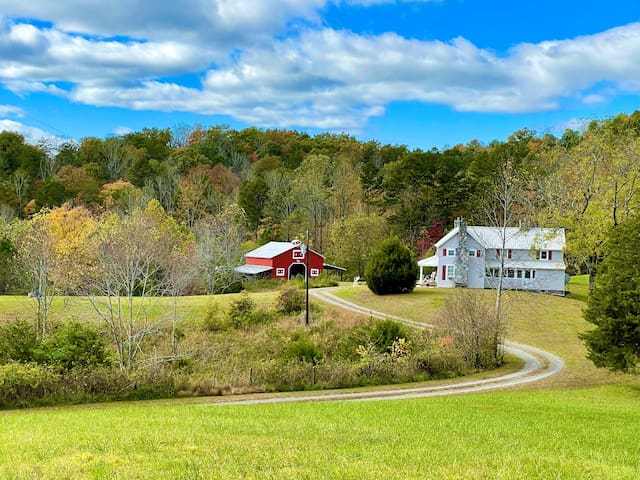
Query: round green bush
x=303, y=350
x=391, y=269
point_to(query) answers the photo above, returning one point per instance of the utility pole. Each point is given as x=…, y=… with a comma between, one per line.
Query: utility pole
x=306, y=274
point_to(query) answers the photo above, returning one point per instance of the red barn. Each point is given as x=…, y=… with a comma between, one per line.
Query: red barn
x=282, y=261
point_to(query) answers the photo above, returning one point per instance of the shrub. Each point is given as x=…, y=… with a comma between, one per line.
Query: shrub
x=75, y=344
x=214, y=319
x=25, y=384
x=18, y=342
x=392, y=269
x=291, y=301
x=244, y=313
x=303, y=350
x=377, y=334
x=386, y=332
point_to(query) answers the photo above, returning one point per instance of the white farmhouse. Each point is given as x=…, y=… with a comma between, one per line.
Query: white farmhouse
x=472, y=257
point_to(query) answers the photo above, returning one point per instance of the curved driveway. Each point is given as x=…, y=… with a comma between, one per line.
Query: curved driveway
x=538, y=364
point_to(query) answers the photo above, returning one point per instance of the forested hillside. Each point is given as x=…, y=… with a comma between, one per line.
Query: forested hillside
x=219, y=192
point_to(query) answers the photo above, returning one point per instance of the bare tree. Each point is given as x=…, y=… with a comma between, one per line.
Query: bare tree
x=219, y=241
x=504, y=207
x=181, y=273
x=130, y=267
x=20, y=183
x=469, y=319
x=49, y=163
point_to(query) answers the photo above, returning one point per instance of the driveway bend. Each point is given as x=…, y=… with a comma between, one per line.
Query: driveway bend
x=538, y=364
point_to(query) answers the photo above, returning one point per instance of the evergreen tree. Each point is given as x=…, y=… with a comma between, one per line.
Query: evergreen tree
x=614, y=304
x=392, y=269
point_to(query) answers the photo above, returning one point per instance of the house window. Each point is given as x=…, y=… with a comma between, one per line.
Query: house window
x=314, y=272
x=451, y=252
x=279, y=272
x=450, y=271
x=511, y=273
x=519, y=274
x=544, y=255
x=472, y=253
x=498, y=253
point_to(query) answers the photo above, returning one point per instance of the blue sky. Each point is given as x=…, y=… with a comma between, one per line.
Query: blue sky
x=420, y=73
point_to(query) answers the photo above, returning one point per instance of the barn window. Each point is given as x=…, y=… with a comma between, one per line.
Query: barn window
x=314, y=272
x=279, y=272
x=298, y=255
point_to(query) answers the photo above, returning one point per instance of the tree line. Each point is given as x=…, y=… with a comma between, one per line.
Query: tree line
x=347, y=194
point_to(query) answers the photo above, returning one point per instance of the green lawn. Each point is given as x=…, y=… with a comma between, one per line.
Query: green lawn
x=581, y=424
x=66, y=308
x=592, y=433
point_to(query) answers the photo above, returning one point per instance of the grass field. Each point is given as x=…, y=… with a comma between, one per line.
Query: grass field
x=592, y=433
x=79, y=308
x=581, y=424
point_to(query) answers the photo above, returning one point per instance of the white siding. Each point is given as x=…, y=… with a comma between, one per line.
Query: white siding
x=549, y=274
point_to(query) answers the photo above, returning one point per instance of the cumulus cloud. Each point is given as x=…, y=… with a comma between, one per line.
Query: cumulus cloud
x=32, y=135
x=230, y=22
x=253, y=65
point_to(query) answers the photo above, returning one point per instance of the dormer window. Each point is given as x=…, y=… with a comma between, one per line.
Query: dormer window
x=544, y=255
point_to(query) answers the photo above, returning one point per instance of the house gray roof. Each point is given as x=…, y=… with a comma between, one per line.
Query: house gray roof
x=515, y=238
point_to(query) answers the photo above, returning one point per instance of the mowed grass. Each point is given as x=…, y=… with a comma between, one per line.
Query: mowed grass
x=592, y=433
x=64, y=308
x=555, y=431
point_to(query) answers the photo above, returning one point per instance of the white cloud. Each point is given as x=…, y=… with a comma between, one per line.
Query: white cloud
x=10, y=111
x=32, y=135
x=255, y=68
x=231, y=22
x=577, y=124
x=122, y=130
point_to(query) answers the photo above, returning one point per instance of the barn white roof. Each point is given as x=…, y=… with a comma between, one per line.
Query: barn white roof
x=272, y=249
